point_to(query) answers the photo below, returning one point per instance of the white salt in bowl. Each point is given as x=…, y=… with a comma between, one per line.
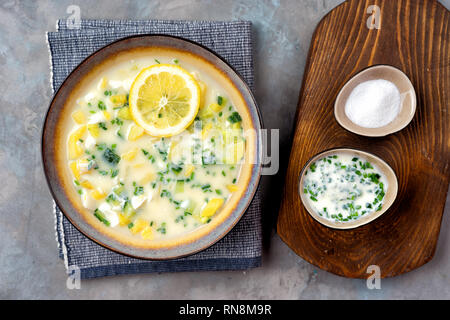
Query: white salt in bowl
x=379, y=72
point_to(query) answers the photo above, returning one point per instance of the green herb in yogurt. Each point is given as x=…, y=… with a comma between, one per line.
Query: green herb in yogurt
x=343, y=188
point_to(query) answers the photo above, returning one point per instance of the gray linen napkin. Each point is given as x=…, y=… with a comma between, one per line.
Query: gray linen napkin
x=241, y=248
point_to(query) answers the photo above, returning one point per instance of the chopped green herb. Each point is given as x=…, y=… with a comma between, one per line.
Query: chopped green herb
x=235, y=117
x=165, y=193
x=374, y=177
x=206, y=188
x=138, y=190
x=176, y=168
x=128, y=209
x=111, y=198
x=117, y=121
x=110, y=156
x=366, y=165
x=99, y=215
x=101, y=105
x=162, y=228
x=114, y=173
x=100, y=146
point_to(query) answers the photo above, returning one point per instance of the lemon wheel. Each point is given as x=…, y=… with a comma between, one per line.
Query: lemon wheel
x=164, y=99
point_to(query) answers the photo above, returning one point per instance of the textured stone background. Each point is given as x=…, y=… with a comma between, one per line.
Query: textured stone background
x=29, y=266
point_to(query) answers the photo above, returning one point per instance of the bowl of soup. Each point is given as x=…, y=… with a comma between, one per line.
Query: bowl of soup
x=137, y=192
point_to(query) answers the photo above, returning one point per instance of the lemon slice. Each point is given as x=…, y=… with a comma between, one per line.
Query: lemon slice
x=164, y=99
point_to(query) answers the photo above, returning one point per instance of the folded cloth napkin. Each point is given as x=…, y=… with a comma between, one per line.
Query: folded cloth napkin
x=241, y=248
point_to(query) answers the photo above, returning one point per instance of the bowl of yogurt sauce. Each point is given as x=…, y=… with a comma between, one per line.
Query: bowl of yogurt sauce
x=345, y=188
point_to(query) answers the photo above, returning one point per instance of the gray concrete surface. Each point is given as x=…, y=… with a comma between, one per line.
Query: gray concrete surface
x=29, y=265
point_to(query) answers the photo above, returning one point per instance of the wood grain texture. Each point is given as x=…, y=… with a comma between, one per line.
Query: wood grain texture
x=414, y=36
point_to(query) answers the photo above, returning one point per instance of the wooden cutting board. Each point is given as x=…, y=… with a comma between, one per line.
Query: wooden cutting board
x=414, y=36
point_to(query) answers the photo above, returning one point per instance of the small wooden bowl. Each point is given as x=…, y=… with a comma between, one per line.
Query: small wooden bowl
x=386, y=170
x=385, y=72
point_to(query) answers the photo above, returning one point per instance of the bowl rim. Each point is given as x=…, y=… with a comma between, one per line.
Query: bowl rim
x=367, y=132
x=242, y=204
x=353, y=224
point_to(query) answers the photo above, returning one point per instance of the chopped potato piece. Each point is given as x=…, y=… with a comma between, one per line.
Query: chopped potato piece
x=118, y=99
x=124, y=113
x=147, y=178
x=102, y=83
x=74, y=168
x=86, y=184
x=94, y=130
x=75, y=150
x=83, y=166
x=79, y=167
x=147, y=233
x=123, y=220
x=98, y=195
x=189, y=170
x=211, y=207
x=206, y=112
x=135, y=132
x=79, y=117
x=236, y=126
x=139, y=225
x=173, y=147
x=107, y=115
x=232, y=187
x=215, y=107
x=206, y=130
x=130, y=155
x=203, y=88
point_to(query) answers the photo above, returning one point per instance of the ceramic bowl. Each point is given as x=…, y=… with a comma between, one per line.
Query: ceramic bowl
x=407, y=104
x=386, y=170
x=59, y=184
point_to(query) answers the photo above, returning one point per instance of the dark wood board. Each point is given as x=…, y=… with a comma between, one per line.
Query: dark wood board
x=414, y=36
